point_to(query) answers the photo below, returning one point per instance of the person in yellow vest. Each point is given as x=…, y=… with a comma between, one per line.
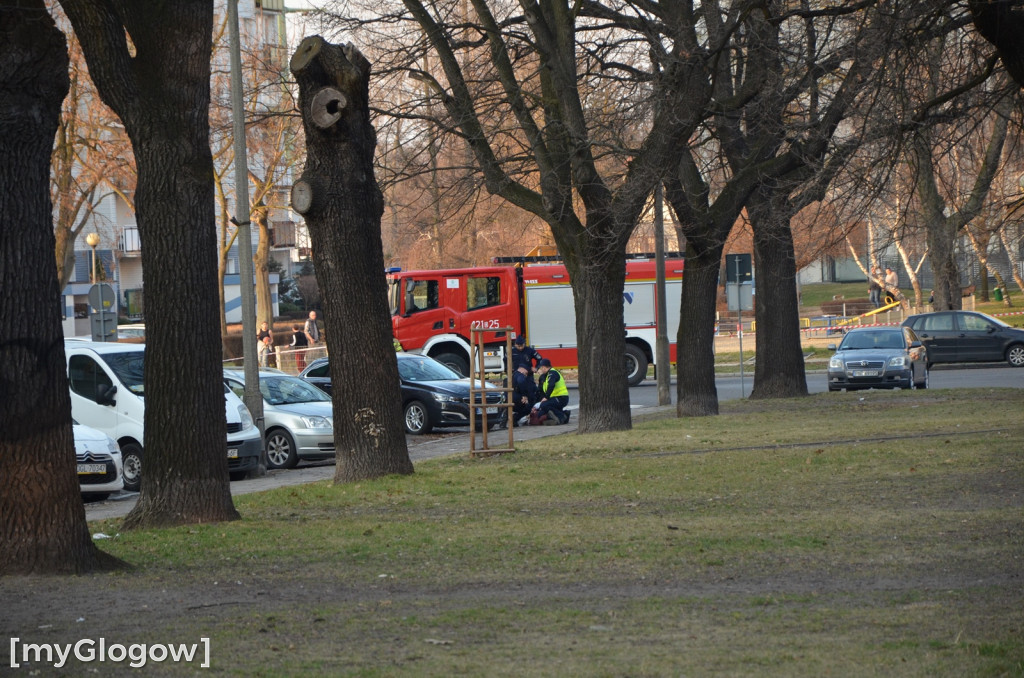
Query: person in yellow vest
x=554, y=394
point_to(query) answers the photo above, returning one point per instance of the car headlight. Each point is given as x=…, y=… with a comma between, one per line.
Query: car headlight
x=113, y=448
x=316, y=422
x=243, y=414
x=898, y=361
x=835, y=363
x=444, y=398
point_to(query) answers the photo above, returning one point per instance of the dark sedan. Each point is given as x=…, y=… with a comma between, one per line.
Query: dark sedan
x=878, y=357
x=967, y=336
x=432, y=394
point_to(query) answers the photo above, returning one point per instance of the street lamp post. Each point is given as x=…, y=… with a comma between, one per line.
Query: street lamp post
x=92, y=240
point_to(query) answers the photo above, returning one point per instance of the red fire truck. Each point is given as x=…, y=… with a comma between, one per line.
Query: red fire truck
x=432, y=312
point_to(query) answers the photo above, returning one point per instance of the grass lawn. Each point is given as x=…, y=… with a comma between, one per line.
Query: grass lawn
x=861, y=534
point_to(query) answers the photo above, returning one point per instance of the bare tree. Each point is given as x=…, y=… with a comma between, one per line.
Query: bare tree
x=42, y=520
x=339, y=197
x=164, y=103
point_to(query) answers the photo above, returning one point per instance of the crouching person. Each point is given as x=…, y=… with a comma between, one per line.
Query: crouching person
x=554, y=395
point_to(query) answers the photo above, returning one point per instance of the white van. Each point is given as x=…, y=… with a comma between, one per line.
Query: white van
x=107, y=394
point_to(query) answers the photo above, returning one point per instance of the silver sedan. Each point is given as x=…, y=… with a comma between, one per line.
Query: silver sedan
x=298, y=417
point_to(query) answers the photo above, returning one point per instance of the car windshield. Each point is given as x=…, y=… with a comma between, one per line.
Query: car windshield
x=860, y=341
x=424, y=369
x=128, y=367
x=286, y=390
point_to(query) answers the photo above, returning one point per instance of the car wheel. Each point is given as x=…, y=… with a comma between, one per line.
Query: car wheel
x=131, y=460
x=417, y=418
x=237, y=475
x=636, y=365
x=454, y=361
x=1015, y=355
x=281, y=452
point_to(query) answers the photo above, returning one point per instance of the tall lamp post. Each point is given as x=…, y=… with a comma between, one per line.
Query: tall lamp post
x=92, y=240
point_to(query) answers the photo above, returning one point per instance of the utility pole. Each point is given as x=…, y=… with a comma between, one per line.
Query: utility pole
x=252, y=397
x=663, y=366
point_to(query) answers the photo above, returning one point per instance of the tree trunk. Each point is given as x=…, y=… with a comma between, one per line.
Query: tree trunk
x=941, y=241
x=164, y=104
x=260, y=261
x=597, y=298
x=696, y=394
x=339, y=197
x=42, y=520
x=779, y=370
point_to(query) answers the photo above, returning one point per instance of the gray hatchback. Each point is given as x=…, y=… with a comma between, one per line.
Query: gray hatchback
x=878, y=357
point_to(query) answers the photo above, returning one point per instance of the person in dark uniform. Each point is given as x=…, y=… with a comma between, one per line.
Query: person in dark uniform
x=524, y=393
x=554, y=395
x=523, y=354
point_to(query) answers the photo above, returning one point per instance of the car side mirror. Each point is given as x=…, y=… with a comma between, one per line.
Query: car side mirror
x=105, y=395
x=831, y=347
x=991, y=329
x=915, y=344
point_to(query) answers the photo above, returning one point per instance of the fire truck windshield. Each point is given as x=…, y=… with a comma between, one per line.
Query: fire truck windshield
x=394, y=295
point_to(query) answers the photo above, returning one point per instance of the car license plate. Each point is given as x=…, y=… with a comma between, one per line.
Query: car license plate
x=865, y=373
x=490, y=410
x=232, y=453
x=84, y=469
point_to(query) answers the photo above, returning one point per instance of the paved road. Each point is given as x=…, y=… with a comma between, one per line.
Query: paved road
x=942, y=376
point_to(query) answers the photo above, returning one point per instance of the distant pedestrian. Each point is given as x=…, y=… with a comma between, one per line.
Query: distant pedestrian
x=892, y=281
x=875, y=287
x=299, y=345
x=263, y=350
x=312, y=330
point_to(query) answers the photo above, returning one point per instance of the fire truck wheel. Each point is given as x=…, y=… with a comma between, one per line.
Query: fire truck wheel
x=636, y=365
x=454, y=361
x=417, y=418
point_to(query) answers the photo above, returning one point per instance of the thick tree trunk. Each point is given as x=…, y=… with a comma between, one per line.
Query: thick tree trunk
x=603, y=391
x=160, y=88
x=696, y=394
x=941, y=240
x=779, y=370
x=342, y=204
x=42, y=521
x=185, y=476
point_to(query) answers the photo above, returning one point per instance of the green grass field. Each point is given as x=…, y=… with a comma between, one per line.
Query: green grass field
x=869, y=534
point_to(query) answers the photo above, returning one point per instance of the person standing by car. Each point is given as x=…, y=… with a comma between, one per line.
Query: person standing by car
x=312, y=330
x=875, y=288
x=299, y=345
x=554, y=394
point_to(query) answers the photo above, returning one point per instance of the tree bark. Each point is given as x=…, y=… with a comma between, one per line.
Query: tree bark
x=696, y=393
x=343, y=207
x=603, y=392
x=164, y=104
x=779, y=369
x=42, y=520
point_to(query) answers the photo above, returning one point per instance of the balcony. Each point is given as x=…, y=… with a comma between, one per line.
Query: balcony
x=129, y=242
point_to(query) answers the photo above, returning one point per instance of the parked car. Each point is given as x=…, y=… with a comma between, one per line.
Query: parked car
x=99, y=463
x=433, y=395
x=967, y=336
x=878, y=357
x=298, y=417
x=107, y=393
